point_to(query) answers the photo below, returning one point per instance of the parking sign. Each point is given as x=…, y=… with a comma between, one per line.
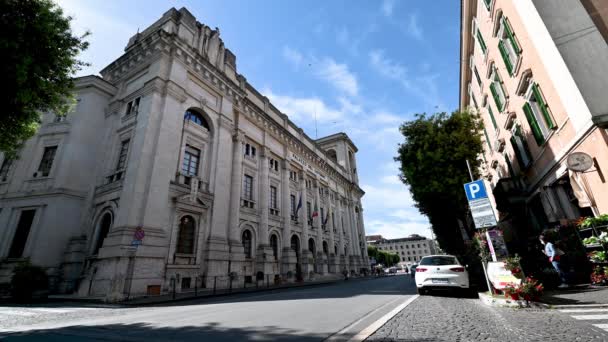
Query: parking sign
x=481, y=207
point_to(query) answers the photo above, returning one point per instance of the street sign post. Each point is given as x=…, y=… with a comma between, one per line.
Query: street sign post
x=480, y=205
x=138, y=237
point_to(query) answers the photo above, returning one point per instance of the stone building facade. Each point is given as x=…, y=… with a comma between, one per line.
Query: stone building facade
x=536, y=71
x=173, y=144
x=410, y=249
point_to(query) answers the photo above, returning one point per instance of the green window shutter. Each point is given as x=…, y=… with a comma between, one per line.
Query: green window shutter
x=487, y=3
x=511, y=35
x=482, y=43
x=495, y=96
x=485, y=133
x=538, y=135
x=492, y=116
x=543, y=106
x=505, y=57
x=477, y=76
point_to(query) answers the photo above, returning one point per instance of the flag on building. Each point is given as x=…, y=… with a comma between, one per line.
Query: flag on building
x=326, y=217
x=315, y=212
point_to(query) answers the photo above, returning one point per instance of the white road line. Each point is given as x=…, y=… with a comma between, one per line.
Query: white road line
x=585, y=310
x=591, y=317
x=365, y=333
x=602, y=326
x=17, y=313
x=570, y=306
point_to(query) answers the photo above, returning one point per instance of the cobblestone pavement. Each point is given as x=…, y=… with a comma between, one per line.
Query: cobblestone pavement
x=432, y=318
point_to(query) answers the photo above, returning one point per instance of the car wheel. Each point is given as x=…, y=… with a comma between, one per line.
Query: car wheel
x=422, y=291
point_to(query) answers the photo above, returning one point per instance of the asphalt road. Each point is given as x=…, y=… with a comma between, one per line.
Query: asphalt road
x=337, y=311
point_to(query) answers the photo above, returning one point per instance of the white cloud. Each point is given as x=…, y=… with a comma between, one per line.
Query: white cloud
x=424, y=87
x=413, y=28
x=304, y=108
x=393, y=229
x=387, y=7
x=386, y=118
x=293, y=56
x=338, y=75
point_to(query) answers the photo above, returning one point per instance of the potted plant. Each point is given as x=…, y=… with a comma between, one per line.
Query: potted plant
x=511, y=291
x=512, y=264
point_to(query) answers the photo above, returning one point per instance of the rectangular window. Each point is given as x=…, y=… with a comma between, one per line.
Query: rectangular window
x=322, y=216
x=474, y=101
x=21, y=233
x=191, y=161
x=5, y=168
x=309, y=211
x=485, y=133
x=492, y=117
x=520, y=147
x=249, y=150
x=508, y=45
x=292, y=204
x=47, y=160
x=488, y=4
x=497, y=90
x=482, y=42
x=273, y=197
x=133, y=107
x=122, y=156
x=477, y=77
x=248, y=188
x=509, y=165
x=538, y=115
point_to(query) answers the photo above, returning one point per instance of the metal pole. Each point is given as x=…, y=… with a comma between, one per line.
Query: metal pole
x=470, y=172
x=483, y=265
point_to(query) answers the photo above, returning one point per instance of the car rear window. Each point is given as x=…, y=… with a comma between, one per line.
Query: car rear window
x=439, y=261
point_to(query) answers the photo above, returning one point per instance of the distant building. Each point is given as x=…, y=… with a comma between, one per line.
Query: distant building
x=410, y=249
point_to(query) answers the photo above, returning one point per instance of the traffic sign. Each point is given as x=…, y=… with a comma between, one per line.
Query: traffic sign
x=139, y=233
x=480, y=205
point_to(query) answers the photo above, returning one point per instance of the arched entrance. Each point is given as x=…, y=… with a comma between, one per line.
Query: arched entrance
x=104, y=228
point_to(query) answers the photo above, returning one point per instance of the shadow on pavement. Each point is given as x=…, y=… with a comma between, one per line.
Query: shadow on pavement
x=143, y=332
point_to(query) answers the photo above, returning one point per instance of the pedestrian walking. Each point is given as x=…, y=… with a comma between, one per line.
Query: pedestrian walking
x=555, y=255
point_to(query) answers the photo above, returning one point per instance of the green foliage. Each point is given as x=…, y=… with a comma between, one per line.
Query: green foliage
x=433, y=164
x=601, y=220
x=383, y=257
x=27, y=280
x=38, y=57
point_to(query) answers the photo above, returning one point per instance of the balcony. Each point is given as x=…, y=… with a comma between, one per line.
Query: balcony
x=188, y=180
x=273, y=211
x=247, y=203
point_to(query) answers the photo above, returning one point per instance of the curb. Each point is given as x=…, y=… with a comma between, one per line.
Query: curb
x=509, y=303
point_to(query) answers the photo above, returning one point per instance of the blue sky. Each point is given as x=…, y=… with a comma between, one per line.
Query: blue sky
x=362, y=66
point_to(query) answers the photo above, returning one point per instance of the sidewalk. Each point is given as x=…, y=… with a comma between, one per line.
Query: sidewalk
x=201, y=293
x=579, y=295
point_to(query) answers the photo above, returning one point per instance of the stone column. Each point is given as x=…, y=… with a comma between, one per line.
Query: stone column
x=288, y=257
x=264, y=250
x=303, y=217
x=362, y=230
x=236, y=186
x=321, y=259
x=355, y=232
x=342, y=231
x=332, y=260
x=349, y=231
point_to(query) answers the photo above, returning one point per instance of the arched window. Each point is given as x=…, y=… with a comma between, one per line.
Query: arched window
x=274, y=243
x=332, y=154
x=336, y=250
x=197, y=118
x=311, y=246
x=185, y=240
x=295, y=245
x=325, y=248
x=104, y=228
x=246, y=240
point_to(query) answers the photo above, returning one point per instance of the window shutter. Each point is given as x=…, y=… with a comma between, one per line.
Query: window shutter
x=505, y=57
x=482, y=43
x=517, y=152
x=488, y=3
x=538, y=135
x=511, y=35
x=492, y=116
x=487, y=139
x=543, y=106
x=509, y=165
x=495, y=96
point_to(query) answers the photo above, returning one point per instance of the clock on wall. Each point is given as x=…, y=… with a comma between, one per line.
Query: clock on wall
x=579, y=161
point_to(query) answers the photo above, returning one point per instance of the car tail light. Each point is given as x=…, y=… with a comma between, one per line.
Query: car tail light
x=457, y=269
x=420, y=269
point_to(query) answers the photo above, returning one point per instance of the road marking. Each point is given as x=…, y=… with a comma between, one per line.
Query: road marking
x=365, y=333
x=585, y=310
x=566, y=306
x=602, y=326
x=589, y=317
x=17, y=313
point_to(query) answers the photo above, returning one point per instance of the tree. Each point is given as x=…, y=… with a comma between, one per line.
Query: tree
x=38, y=57
x=433, y=164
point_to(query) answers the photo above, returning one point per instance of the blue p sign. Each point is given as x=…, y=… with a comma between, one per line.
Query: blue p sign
x=475, y=190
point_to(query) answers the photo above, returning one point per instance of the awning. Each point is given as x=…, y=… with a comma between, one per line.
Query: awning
x=578, y=187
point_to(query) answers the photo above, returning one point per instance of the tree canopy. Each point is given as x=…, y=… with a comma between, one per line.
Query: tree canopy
x=433, y=165
x=383, y=257
x=38, y=57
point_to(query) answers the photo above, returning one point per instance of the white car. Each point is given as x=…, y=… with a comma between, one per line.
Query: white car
x=440, y=272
